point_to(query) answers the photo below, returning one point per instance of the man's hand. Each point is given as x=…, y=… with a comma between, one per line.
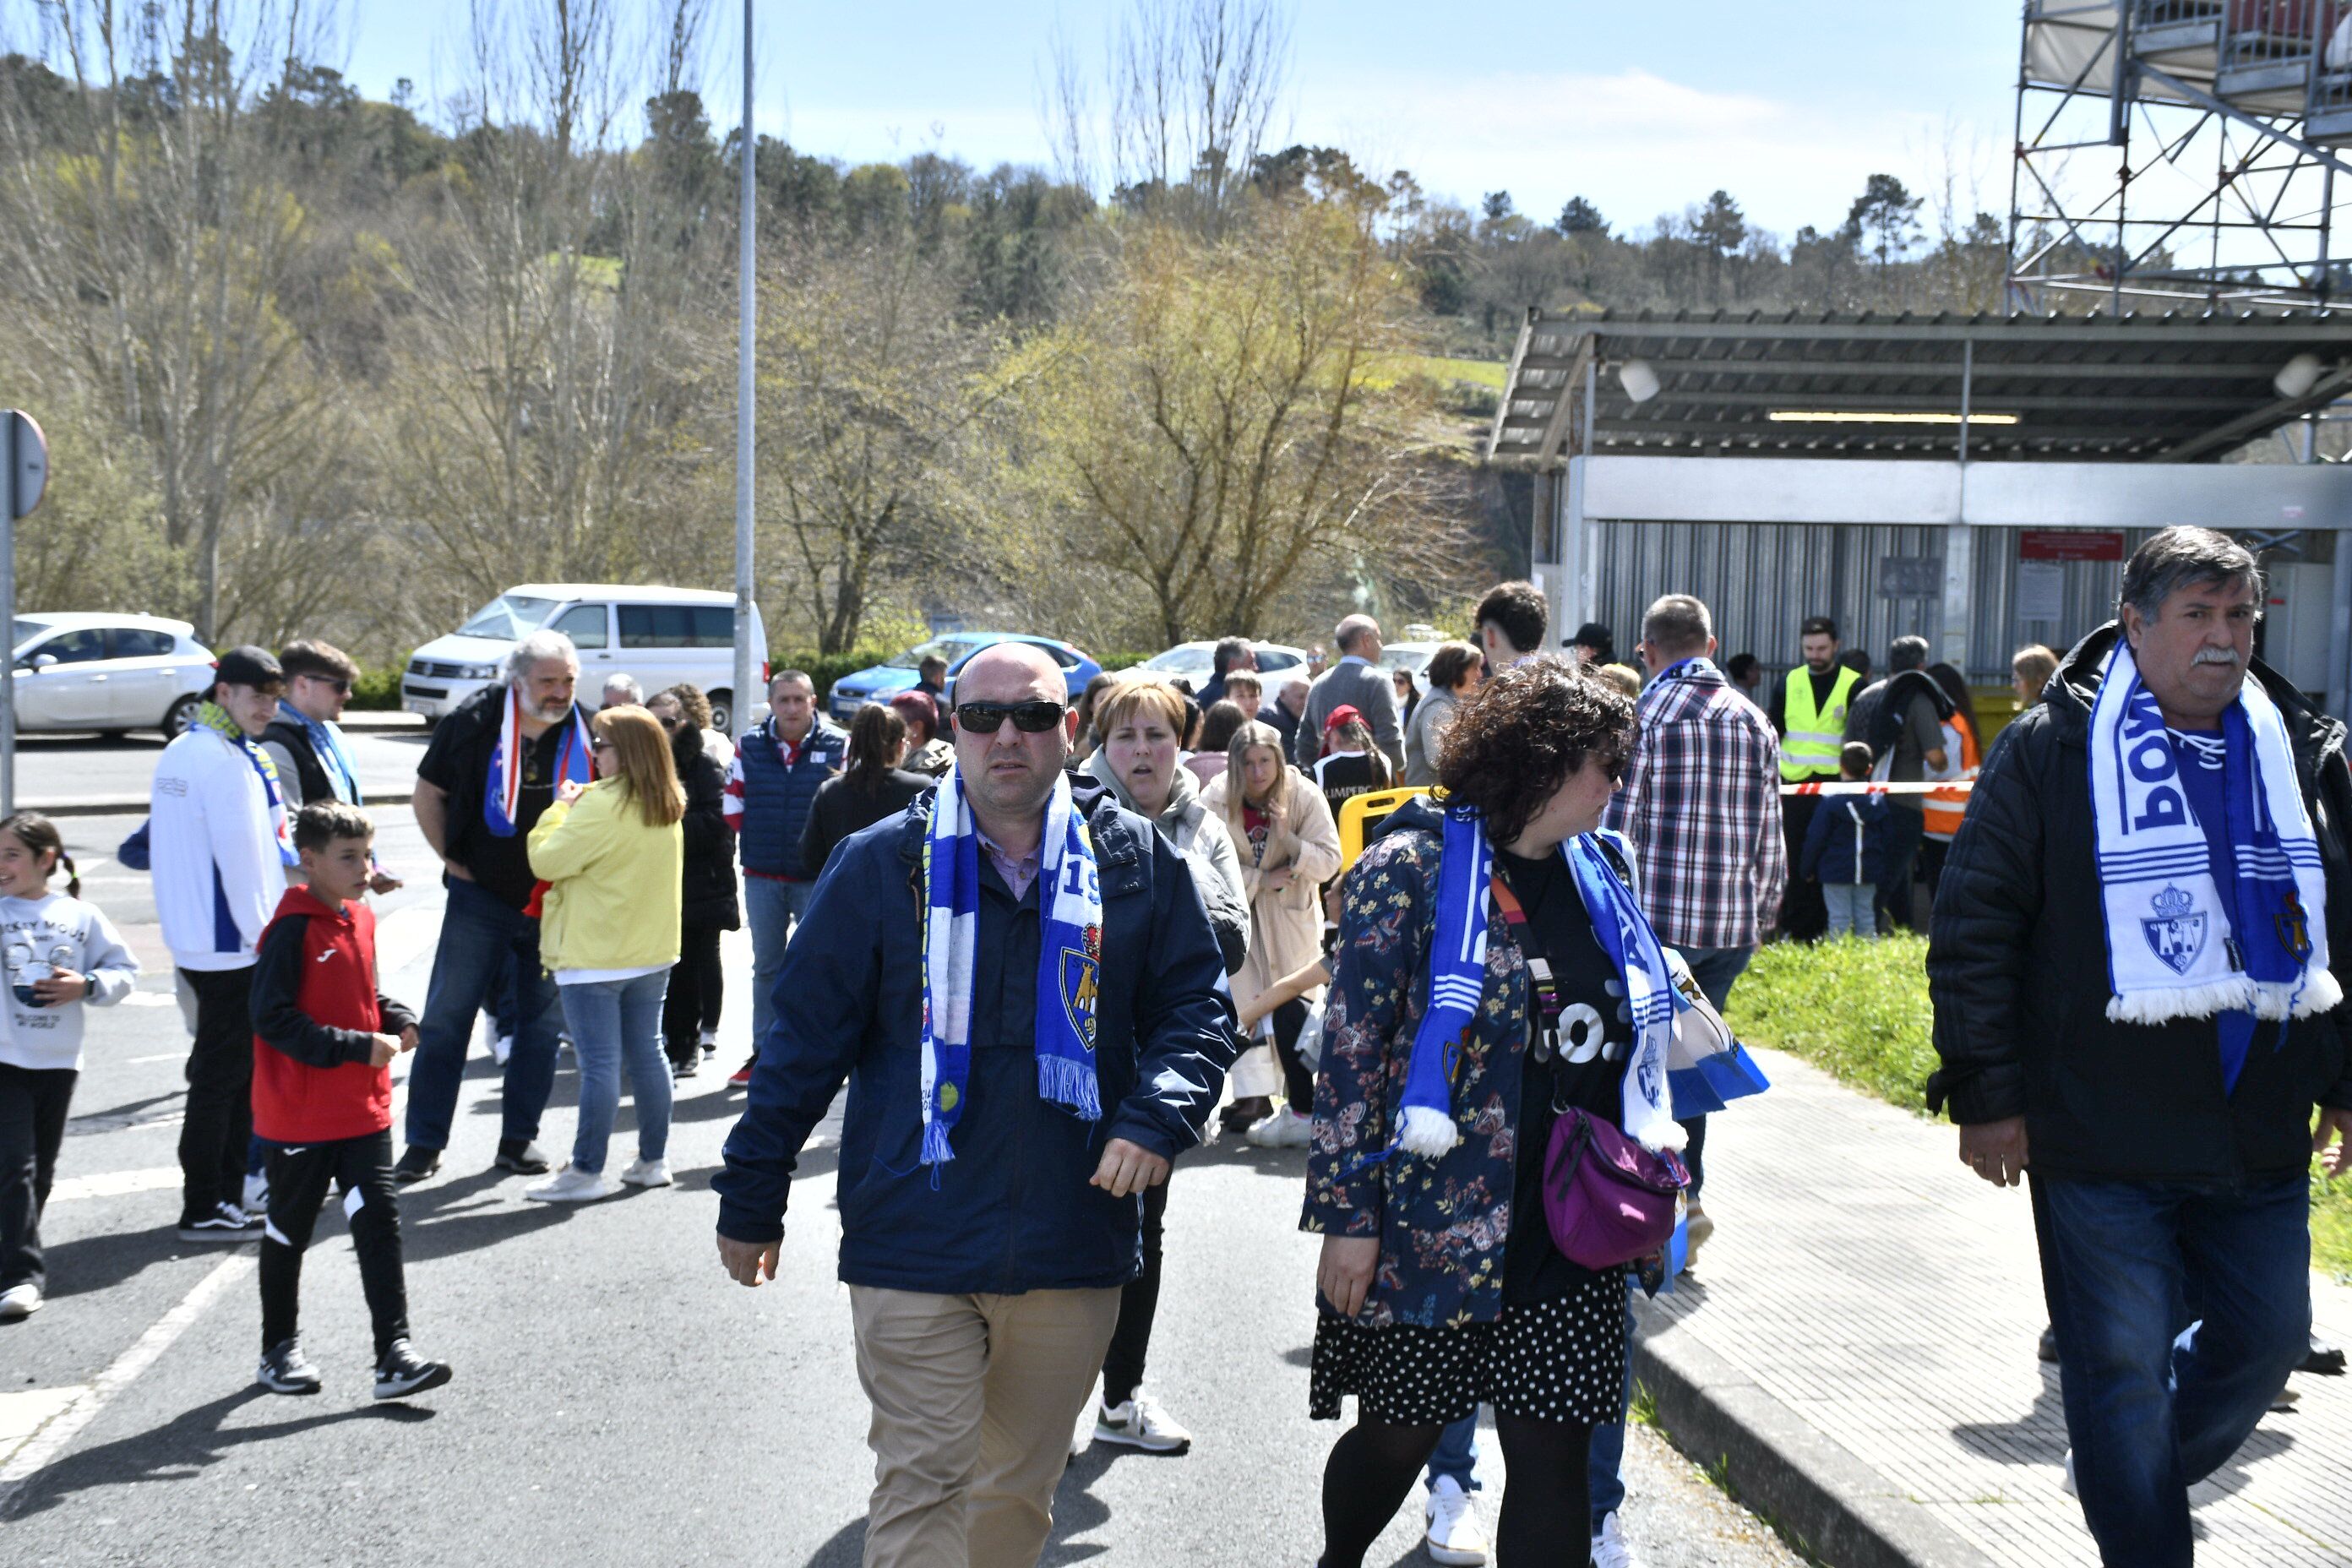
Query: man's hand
x=2334, y=1129
x=382, y=1049
x=456, y=871
x=749, y=1262
x=408, y=1039
x=1344, y=1273
x=383, y=882
x=1995, y=1151
x=1128, y=1168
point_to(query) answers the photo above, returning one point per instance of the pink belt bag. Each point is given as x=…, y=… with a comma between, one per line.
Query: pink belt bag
x=1607, y=1199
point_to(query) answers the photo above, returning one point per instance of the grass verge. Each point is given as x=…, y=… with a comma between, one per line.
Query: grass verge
x=1858, y=1010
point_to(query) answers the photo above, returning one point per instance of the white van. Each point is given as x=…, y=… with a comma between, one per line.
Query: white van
x=660, y=635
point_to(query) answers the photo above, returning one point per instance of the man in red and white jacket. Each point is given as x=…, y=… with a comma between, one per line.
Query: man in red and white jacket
x=324, y=1037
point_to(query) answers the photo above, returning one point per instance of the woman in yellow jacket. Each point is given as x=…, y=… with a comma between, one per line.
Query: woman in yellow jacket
x=612, y=854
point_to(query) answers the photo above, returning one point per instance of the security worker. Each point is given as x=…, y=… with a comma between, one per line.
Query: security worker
x=1808, y=711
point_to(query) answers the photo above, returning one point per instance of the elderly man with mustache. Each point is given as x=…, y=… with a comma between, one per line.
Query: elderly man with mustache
x=2129, y=961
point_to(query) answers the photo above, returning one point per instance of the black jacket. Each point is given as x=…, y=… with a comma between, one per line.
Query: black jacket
x=840, y=810
x=310, y=781
x=2017, y=966
x=707, y=887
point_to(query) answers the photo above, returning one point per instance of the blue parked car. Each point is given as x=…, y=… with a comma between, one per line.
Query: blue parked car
x=879, y=683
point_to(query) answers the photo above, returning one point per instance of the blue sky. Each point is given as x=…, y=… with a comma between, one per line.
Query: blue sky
x=1644, y=109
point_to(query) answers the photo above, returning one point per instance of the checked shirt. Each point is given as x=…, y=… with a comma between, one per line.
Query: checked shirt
x=1701, y=803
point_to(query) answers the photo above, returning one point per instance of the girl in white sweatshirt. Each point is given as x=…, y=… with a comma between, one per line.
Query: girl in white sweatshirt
x=58, y=953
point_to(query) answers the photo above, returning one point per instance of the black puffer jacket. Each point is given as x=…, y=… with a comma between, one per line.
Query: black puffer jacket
x=708, y=890
x=2017, y=967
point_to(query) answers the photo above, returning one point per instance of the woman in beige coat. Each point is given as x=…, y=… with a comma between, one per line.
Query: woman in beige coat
x=1289, y=847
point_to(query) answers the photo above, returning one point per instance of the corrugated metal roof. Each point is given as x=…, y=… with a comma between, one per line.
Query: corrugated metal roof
x=2177, y=387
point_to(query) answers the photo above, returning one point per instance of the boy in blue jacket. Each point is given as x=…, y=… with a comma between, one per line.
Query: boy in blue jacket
x=1844, y=847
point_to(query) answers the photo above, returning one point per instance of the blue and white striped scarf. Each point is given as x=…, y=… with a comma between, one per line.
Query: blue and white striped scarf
x=2176, y=947
x=334, y=757
x=1069, y=962
x=1457, y=977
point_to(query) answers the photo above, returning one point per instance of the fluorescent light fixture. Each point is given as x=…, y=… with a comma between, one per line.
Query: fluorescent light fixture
x=1640, y=381
x=1793, y=417
x=2297, y=377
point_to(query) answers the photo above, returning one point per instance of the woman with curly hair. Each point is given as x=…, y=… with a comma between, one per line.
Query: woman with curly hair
x=1440, y=1286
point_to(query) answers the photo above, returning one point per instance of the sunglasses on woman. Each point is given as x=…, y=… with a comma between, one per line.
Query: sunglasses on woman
x=1029, y=718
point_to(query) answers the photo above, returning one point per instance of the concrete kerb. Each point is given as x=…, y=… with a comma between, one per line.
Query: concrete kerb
x=1844, y=1512
x=138, y=806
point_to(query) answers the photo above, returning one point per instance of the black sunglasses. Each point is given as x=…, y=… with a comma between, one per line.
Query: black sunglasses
x=1030, y=718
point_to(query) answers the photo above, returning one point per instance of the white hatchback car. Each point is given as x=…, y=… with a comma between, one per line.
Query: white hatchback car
x=88, y=670
x=658, y=635
x=1196, y=661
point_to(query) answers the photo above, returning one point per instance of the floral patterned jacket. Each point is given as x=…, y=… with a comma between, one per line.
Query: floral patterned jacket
x=1442, y=1223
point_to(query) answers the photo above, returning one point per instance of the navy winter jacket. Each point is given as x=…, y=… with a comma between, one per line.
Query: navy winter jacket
x=776, y=798
x=1013, y=1211
x=1847, y=840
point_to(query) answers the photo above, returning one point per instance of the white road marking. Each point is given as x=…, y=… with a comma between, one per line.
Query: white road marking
x=114, y=1185
x=58, y=1430
x=149, y=999
x=158, y=1056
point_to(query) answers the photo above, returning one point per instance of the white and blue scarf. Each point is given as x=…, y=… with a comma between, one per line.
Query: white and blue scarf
x=334, y=757
x=502, y=791
x=1457, y=975
x=1069, y=965
x=2176, y=947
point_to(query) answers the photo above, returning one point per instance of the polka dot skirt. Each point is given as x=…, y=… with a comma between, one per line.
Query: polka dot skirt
x=1562, y=1359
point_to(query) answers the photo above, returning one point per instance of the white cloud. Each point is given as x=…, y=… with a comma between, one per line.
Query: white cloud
x=1634, y=143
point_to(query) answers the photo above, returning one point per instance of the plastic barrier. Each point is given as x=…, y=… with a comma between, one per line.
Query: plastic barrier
x=1359, y=812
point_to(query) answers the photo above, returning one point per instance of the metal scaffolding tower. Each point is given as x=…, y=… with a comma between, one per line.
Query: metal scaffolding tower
x=2181, y=153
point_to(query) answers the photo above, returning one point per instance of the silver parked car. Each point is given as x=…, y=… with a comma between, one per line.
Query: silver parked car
x=89, y=670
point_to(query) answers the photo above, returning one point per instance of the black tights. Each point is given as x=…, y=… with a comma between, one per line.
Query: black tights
x=1546, y=1520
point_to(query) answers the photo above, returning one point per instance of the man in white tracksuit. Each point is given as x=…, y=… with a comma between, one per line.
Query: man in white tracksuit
x=219, y=851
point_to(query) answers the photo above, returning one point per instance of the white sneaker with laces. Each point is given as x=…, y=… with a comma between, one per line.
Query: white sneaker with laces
x=19, y=1301
x=647, y=1173
x=1140, y=1424
x=572, y=1185
x=1454, y=1535
x=1286, y=1129
x=1610, y=1548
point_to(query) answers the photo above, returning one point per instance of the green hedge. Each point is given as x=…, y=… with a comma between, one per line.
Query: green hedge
x=1859, y=1010
x=378, y=690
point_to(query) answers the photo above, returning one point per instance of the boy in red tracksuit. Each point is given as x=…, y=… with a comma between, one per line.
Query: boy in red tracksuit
x=324, y=1037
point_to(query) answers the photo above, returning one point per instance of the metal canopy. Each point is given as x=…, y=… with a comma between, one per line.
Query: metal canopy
x=2177, y=387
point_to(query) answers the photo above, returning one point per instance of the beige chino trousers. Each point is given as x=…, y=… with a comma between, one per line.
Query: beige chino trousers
x=974, y=1400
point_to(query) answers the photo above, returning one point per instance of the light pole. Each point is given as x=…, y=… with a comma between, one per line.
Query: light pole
x=748, y=306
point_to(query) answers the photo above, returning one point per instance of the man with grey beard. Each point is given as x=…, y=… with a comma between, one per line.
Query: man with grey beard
x=493, y=768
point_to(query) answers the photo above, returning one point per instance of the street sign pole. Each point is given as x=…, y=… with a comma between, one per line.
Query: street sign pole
x=23, y=475
x=747, y=305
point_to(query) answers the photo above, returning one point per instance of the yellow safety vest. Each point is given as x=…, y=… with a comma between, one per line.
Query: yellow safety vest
x=1809, y=750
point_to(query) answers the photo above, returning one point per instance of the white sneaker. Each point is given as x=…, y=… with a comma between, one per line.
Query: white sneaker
x=1454, y=1535
x=19, y=1301
x=647, y=1173
x=1286, y=1129
x=501, y=1047
x=1610, y=1548
x=572, y=1186
x=257, y=1194
x=1140, y=1424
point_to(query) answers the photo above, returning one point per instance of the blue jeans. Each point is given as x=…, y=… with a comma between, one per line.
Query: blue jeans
x=615, y=1021
x=775, y=907
x=1853, y=908
x=1456, y=1454
x=503, y=1003
x=481, y=933
x=1604, y=1478
x=1714, y=969
x=2179, y=1310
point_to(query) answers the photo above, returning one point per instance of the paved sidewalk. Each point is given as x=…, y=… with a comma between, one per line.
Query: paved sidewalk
x=1859, y=1340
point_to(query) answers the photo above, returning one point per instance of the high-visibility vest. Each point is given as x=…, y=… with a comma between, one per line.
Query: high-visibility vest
x=1944, y=808
x=1814, y=739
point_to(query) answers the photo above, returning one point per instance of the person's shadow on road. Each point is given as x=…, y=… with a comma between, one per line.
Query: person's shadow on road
x=183, y=1449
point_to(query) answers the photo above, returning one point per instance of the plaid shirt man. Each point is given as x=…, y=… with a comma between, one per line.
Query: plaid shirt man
x=1701, y=803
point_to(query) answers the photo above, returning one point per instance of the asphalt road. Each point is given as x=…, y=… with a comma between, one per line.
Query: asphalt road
x=71, y=771
x=617, y=1399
